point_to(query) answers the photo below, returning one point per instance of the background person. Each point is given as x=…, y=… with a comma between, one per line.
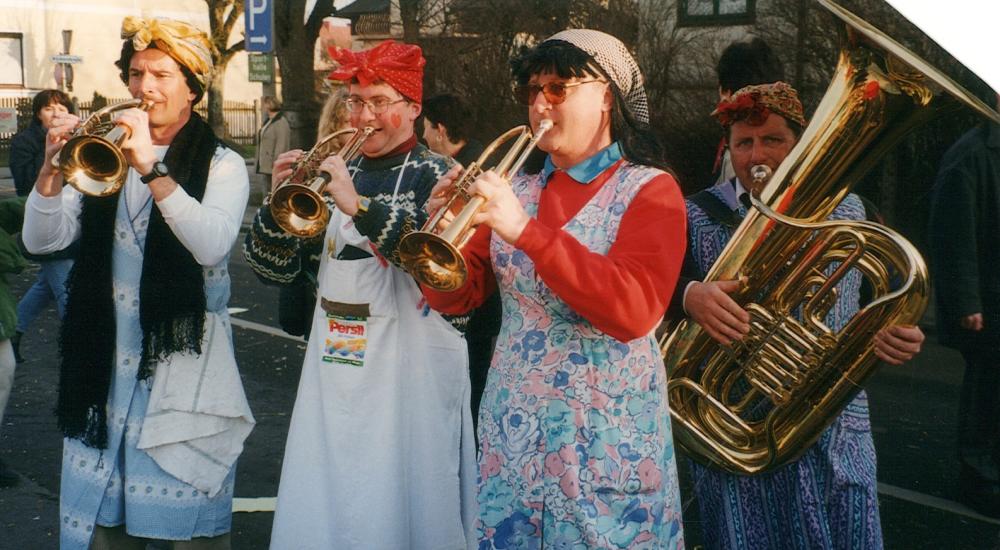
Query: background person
x=273, y=138
x=965, y=245
x=446, y=131
x=178, y=213
x=297, y=301
x=11, y=261
x=574, y=426
x=447, y=123
x=27, y=152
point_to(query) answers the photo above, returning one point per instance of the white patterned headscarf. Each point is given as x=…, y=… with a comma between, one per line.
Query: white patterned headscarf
x=615, y=60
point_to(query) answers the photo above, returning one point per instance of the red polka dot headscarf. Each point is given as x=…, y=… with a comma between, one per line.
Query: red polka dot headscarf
x=398, y=65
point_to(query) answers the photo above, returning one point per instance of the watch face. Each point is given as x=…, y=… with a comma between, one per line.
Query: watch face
x=160, y=168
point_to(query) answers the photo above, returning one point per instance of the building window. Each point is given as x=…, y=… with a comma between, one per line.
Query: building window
x=11, y=59
x=715, y=12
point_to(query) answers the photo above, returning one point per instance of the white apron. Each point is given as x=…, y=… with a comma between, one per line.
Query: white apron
x=380, y=452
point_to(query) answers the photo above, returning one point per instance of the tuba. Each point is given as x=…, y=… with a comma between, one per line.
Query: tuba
x=432, y=255
x=762, y=401
x=297, y=203
x=92, y=160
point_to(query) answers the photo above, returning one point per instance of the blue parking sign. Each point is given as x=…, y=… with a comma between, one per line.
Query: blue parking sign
x=259, y=23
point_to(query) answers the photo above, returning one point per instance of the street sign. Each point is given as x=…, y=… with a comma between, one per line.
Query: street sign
x=261, y=67
x=8, y=120
x=259, y=23
x=66, y=58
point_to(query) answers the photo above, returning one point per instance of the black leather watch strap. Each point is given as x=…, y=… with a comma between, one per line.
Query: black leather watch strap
x=159, y=170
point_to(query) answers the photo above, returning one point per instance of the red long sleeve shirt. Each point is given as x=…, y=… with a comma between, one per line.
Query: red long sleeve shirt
x=623, y=293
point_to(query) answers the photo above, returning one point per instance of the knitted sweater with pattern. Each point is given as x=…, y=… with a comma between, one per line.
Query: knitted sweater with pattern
x=278, y=257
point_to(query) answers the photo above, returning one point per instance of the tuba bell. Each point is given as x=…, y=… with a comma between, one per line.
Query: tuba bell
x=433, y=255
x=92, y=160
x=297, y=202
x=762, y=401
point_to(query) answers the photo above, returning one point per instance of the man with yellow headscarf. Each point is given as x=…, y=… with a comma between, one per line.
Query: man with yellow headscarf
x=148, y=296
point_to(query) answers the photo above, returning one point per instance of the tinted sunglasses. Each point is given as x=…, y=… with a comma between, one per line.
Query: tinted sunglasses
x=555, y=92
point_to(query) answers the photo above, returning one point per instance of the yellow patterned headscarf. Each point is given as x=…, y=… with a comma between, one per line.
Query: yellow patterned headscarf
x=185, y=43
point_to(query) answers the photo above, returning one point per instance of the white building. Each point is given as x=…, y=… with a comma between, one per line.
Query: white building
x=31, y=32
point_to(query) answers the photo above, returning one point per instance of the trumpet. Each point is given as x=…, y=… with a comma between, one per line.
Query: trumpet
x=433, y=255
x=299, y=208
x=92, y=160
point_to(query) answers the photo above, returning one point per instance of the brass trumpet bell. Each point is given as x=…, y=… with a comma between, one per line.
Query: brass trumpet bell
x=92, y=162
x=297, y=204
x=434, y=255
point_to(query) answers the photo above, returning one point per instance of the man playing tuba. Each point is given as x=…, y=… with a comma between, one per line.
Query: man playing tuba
x=151, y=278
x=827, y=498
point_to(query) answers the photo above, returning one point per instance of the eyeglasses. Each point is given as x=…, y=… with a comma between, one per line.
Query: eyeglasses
x=377, y=106
x=555, y=92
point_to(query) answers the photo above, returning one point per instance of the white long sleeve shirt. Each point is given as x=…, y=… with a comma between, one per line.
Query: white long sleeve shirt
x=207, y=229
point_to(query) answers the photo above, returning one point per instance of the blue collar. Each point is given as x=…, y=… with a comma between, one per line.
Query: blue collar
x=586, y=171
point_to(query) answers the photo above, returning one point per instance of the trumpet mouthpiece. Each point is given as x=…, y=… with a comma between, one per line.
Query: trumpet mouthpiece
x=545, y=125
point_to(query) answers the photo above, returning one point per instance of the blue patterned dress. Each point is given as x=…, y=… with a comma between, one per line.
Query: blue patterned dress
x=107, y=486
x=827, y=499
x=575, y=432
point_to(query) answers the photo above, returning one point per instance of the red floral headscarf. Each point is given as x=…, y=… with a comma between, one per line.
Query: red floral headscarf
x=398, y=65
x=753, y=104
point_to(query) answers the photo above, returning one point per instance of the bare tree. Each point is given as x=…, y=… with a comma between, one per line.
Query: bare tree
x=294, y=46
x=222, y=17
x=421, y=17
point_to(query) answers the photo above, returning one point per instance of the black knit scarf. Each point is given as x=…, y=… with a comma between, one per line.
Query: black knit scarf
x=171, y=294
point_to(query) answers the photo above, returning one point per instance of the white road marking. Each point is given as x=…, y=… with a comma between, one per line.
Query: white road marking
x=266, y=329
x=259, y=504
x=933, y=502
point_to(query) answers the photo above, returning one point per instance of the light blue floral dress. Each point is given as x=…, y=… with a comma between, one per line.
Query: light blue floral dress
x=106, y=486
x=575, y=431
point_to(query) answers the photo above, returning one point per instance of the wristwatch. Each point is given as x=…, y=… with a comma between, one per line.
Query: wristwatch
x=159, y=170
x=363, y=204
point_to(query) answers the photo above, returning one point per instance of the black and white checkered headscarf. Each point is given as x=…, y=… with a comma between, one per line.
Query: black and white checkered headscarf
x=615, y=60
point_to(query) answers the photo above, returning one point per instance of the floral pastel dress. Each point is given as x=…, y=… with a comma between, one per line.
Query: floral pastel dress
x=574, y=427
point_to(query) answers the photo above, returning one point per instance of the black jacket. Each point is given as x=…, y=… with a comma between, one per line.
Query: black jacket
x=27, y=152
x=965, y=238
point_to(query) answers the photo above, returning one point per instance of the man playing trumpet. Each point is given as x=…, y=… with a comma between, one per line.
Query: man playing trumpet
x=179, y=212
x=380, y=453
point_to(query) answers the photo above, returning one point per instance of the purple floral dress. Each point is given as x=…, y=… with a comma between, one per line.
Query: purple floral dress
x=575, y=431
x=827, y=499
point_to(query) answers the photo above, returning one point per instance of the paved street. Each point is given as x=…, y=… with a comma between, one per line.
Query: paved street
x=913, y=414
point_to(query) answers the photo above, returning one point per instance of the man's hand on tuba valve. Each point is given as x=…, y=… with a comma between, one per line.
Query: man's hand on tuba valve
x=709, y=305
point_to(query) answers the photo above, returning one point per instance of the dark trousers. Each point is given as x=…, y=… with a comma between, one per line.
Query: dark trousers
x=484, y=324
x=979, y=416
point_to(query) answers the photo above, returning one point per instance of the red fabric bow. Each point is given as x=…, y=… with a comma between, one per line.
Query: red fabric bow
x=398, y=65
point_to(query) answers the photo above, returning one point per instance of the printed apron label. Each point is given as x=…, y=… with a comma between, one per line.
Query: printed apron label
x=346, y=337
